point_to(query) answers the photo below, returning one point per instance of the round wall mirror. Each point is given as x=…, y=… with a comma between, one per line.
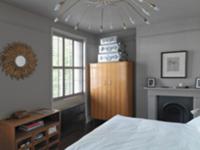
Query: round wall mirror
x=20, y=61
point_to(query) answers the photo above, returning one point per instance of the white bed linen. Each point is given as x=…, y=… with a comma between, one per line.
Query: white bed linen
x=124, y=133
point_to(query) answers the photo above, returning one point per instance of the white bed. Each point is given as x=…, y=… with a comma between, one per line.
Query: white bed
x=124, y=133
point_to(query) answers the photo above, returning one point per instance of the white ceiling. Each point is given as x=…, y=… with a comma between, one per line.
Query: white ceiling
x=169, y=10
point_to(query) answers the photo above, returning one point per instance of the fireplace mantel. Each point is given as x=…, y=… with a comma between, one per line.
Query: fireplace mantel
x=153, y=93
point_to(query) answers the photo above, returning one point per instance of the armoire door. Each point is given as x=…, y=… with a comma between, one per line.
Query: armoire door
x=98, y=90
x=124, y=91
x=119, y=85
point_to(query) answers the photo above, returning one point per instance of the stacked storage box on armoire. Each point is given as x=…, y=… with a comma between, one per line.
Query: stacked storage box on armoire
x=111, y=81
x=111, y=50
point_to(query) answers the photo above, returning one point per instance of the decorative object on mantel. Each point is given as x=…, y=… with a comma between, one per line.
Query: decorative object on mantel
x=182, y=85
x=151, y=82
x=197, y=83
x=174, y=64
x=18, y=60
x=107, y=8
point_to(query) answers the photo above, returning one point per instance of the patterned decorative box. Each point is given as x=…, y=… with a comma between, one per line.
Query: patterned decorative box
x=109, y=40
x=111, y=48
x=111, y=57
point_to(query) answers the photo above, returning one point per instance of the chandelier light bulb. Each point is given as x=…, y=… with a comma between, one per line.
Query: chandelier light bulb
x=131, y=20
x=145, y=12
x=67, y=18
x=56, y=20
x=124, y=26
x=154, y=7
x=111, y=26
x=89, y=27
x=76, y=27
x=101, y=29
x=58, y=6
x=146, y=21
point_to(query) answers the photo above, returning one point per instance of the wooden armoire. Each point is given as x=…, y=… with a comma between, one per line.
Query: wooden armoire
x=111, y=89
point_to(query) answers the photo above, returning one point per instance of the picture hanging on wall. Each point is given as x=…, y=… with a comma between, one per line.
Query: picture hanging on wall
x=174, y=64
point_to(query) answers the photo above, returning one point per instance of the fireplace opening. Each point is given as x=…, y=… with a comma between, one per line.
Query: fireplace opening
x=175, y=109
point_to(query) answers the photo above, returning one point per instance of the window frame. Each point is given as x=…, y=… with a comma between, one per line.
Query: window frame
x=63, y=67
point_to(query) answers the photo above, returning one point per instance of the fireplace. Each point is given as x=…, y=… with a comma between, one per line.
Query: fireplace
x=174, y=109
x=179, y=102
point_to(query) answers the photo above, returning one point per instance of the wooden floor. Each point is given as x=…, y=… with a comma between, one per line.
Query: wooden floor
x=72, y=132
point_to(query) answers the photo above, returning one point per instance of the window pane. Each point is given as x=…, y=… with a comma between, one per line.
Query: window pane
x=68, y=82
x=78, y=80
x=78, y=54
x=57, y=83
x=57, y=51
x=68, y=52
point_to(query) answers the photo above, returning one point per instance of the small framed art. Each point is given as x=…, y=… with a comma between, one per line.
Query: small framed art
x=174, y=64
x=197, y=83
x=151, y=82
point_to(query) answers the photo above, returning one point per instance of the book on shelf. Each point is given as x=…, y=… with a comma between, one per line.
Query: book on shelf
x=31, y=126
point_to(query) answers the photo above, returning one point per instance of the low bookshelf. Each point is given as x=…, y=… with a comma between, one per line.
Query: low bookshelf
x=45, y=137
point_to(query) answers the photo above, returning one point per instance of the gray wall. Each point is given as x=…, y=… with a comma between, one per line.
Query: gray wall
x=35, y=91
x=166, y=36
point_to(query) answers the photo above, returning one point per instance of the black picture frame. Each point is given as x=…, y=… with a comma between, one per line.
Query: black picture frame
x=197, y=83
x=185, y=52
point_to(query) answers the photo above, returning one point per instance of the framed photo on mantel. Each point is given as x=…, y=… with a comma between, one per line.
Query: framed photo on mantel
x=174, y=64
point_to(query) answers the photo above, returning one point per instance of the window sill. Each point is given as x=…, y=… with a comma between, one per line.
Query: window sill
x=68, y=102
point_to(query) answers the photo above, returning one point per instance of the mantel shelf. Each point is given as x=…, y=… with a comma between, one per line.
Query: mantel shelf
x=172, y=89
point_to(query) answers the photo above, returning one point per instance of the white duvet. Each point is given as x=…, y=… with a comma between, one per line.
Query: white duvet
x=124, y=133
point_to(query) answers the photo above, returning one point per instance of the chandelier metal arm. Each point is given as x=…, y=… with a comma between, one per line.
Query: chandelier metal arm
x=70, y=7
x=151, y=5
x=134, y=9
x=110, y=13
x=83, y=14
x=102, y=12
x=121, y=18
x=127, y=14
x=140, y=7
x=120, y=15
x=100, y=3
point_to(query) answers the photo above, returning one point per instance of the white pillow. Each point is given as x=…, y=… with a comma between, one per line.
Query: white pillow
x=195, y=123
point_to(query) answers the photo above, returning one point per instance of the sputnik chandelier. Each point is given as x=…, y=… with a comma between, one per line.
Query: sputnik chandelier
x=141, y=8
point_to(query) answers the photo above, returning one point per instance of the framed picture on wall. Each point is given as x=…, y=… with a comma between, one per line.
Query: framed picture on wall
x=174, y=64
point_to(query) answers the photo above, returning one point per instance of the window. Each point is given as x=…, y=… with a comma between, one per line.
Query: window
x=67, y=56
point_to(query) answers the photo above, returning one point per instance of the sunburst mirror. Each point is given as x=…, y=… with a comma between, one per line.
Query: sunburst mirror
x=18, y=60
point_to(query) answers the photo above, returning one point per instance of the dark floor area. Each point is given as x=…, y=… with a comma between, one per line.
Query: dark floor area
x=74, y=126
x=76, y=131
